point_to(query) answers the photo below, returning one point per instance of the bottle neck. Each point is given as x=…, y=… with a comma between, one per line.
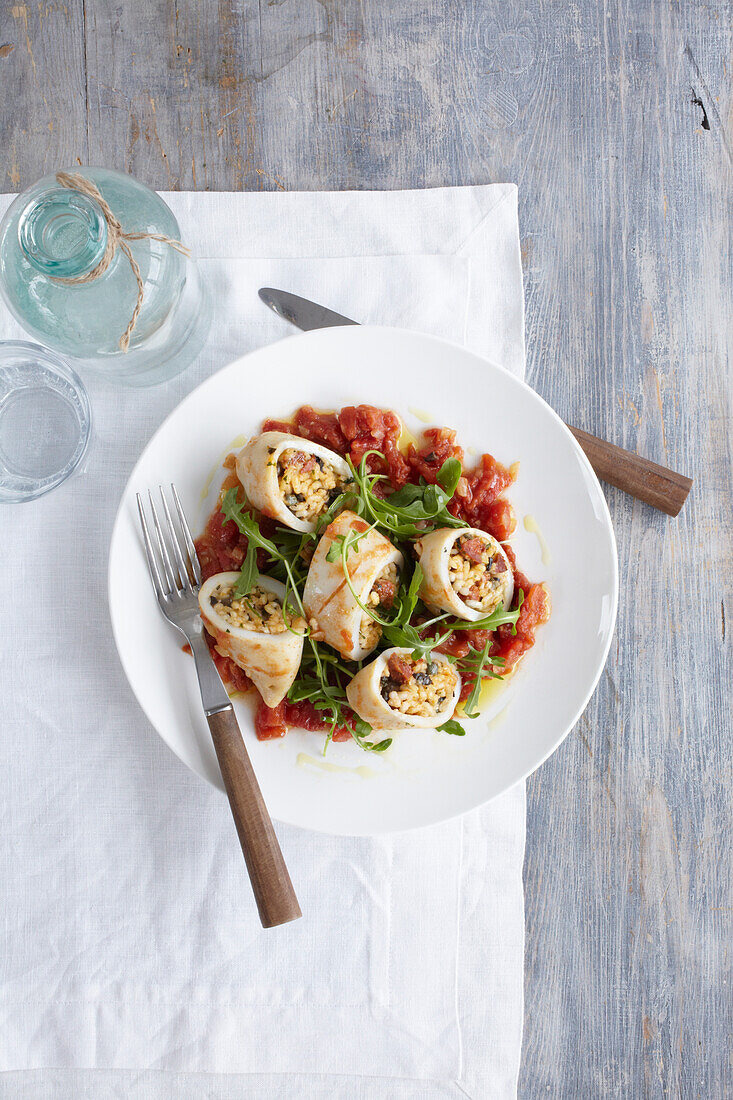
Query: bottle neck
x=63, y=233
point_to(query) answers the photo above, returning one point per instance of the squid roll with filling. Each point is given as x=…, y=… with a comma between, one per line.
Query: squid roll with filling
x=256, y=631
x=374, y=566
x=290, y=479
x=396, y=691
x=465, y=572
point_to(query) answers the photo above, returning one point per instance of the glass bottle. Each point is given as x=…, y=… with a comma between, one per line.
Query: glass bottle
x=52, y=233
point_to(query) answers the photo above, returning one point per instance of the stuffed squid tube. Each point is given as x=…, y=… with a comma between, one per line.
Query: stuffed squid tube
x=396, y=692
x=291, y=479
x=374, y=566
x=253, y=631
x=465, y=572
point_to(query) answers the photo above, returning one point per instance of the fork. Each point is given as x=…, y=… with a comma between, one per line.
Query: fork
x=176, y=575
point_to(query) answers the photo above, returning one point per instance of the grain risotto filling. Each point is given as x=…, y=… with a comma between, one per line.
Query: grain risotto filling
x=308, y=484
x=381, y=596
x=479, y=583
x=428, y=691
x=260, y=611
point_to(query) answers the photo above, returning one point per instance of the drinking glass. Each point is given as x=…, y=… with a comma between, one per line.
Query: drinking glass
x=45, y=421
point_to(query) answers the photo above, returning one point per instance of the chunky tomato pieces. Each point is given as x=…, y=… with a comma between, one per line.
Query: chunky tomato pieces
x=221, y=548
x=479, y=501
x=271, y=722
x=351, y=433
x=236, y=678
x=440, y=445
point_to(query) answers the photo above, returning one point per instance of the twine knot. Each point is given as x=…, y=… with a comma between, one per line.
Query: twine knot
x=116, y=238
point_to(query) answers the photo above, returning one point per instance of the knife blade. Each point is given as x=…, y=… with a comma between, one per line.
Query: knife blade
x=300, y=312
x=656, y=485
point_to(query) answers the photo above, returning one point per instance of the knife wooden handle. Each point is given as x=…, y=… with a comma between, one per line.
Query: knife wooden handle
x=273, y=890
x=656, y=485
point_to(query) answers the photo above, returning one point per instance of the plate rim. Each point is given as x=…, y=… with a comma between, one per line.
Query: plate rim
x=311, y=336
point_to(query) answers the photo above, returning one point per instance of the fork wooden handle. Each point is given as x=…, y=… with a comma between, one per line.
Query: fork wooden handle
x=656, y=485
x=273, y=890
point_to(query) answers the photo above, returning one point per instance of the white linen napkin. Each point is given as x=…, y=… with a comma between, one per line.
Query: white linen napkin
x=132, y=962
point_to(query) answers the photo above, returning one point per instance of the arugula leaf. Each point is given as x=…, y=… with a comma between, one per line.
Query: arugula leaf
x=348, y=499
x=498, y=617
x=234, y=511
x=359, y=732
x=448, y=475
x=408, y=601
x=406, y=496
x=412, y=510
x=470, y=707
x=341, y=545
x=320, y=683
x=520, y=601
x=247, y=575
x=334, y=550
x=289, y=540
x=452, y=727
x=407, y=636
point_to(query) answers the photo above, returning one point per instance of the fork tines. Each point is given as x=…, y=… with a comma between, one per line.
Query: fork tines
x=172, y=558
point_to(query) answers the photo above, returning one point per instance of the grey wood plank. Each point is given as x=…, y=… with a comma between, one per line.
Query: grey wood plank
x=43, y=119
x=615, y=118
x=628, y=875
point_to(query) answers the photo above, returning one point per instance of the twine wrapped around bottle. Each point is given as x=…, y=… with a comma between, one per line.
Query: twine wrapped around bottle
x=116, y=238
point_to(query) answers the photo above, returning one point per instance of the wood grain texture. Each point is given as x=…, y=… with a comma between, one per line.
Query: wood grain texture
x=616, y=120
x=656, y=485
x=273, y=890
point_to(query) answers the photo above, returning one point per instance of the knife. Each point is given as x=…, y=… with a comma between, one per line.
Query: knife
x=655, y=485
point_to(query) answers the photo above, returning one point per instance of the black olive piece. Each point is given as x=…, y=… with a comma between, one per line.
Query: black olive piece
x=423, y=678
x=320, y=461
x=430, y=457
x=441, y=701
x=386, y=687
x=299, y=497
x=213, y=600
x=270, y=450
x=432, y=668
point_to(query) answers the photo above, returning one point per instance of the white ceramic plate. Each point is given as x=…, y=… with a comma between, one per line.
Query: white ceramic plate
x=425, y=777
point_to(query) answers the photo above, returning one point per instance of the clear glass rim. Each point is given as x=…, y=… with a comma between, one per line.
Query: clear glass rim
x=43, y=212
x=58, y=364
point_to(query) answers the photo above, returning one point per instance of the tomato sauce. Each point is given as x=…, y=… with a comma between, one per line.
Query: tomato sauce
x=479, y=501
x=273, y=722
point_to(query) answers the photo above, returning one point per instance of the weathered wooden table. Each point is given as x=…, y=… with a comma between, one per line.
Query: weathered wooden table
x=615, y=120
